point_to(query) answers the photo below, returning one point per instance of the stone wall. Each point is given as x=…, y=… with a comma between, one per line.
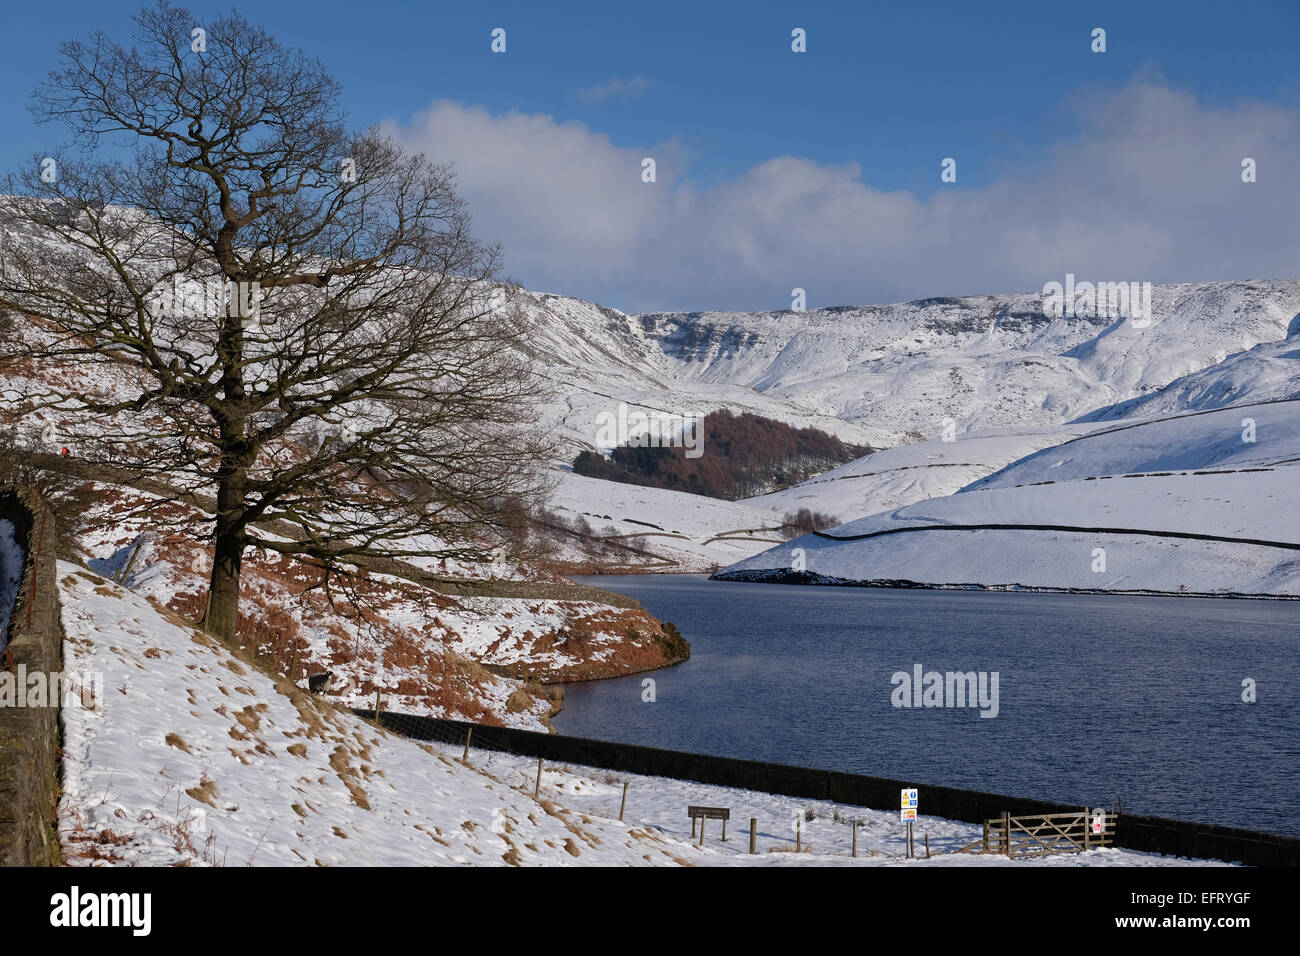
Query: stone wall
x=29, y=736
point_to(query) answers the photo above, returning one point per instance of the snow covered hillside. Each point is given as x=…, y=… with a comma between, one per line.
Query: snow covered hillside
x=893, y=373
x=909, y=473
x=1245, y=436
x=1193, y=504
x=996, y=373
x=426, y=640
x=665, y=530
x=195, y=757
x=1268, y=372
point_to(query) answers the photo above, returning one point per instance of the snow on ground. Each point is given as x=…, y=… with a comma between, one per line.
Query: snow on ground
x=1045, y=560
x=824, y=828
x=1266, y=372
x=1208, y=440
x=684, y=532
x=194, y=757
x=1249, y=505
x=900, y=476
x=420, y=647
x=986, y=361
x=1246, y=504
x=1198, y=473
x=678, y=531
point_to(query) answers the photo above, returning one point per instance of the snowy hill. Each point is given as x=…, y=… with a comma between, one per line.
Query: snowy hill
x=998, y=373
x=667, y=530
x=1247, y=436
x=1193, y=504
x=909, y=473
x=191, y=756
x=885, y=374
x=1268, y=372
x=986, y=361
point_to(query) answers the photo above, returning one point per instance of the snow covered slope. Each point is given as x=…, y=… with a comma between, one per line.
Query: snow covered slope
x=900, y=476
x=595, y=357
x=886, y=374
x=1268, y=372
x=666, y=530
x=194, y=757
x=190, y=756
x=1248, y=436
x=996, y=372
x=1184, y=505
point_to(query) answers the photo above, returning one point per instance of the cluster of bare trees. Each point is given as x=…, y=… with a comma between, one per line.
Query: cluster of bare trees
x=795, y=524
x=218, y=285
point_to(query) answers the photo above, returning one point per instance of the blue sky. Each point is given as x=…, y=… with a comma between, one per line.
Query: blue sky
x=774, y=166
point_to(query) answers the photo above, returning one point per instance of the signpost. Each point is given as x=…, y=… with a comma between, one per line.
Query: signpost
x=908, y=815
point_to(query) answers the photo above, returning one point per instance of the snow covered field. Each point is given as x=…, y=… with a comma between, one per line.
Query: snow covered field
x=1228, y=474
x=194, y=757
x=906, y=474
x=677, y=531
x=1186, y=441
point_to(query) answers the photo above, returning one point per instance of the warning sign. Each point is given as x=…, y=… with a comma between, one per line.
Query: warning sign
x=909, y=802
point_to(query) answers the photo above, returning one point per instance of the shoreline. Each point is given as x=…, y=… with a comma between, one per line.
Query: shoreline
x=808, y=578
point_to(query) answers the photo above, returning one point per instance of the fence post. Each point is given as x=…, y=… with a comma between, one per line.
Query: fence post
x=927, y=846
x=798, y=834
x=622, y=805
x=468, y=735
x=1087, y=831
x=1006, y=830
x=855, y=839
x=377, y=707
x=537, y=787
x=986, y=836
x=753, y=825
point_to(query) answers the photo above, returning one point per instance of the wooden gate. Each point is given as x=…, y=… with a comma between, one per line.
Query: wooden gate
x=1045, y=833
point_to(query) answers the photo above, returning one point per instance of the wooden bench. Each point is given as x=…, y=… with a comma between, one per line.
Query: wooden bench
x=709, y=813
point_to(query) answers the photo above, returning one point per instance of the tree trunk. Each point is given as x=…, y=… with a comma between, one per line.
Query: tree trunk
x=222, y=616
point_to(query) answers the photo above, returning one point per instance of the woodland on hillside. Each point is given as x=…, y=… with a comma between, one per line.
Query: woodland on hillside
x=743, y=455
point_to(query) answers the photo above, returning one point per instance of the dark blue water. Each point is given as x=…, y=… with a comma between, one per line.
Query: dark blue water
x=1099, y=697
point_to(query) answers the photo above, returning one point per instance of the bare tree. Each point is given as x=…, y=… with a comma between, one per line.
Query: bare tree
x=293, y=318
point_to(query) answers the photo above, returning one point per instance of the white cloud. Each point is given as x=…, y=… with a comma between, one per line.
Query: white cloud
x=615, y=88
x=1150, y=189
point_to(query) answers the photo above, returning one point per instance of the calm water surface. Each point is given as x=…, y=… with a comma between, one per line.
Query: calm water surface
x=1099, y=696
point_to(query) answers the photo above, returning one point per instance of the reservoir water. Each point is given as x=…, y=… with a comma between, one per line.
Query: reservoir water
x=1098, y=697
